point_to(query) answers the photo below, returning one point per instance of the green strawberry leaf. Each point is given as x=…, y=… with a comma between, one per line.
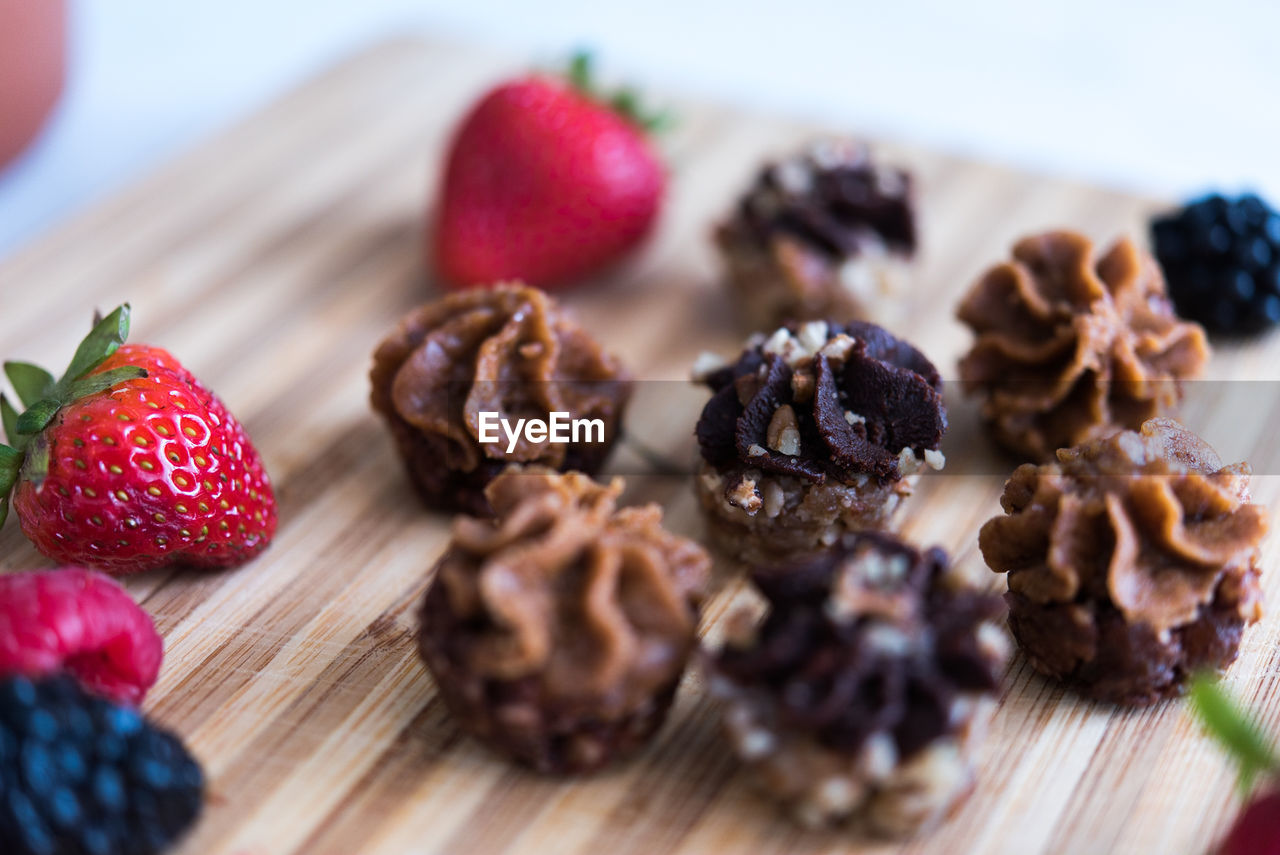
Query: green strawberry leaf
x=95, y=383
x=11, y=460
x=626, y=101
x=9, y=417
x=10, y=465
x=105, y=339
x=37, y=417
x=1236, y=731
x=31, y=382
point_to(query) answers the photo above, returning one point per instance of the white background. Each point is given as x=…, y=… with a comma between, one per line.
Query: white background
x=1170, y=97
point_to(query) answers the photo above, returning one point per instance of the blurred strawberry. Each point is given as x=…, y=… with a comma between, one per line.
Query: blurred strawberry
x=546, y=181
x=1256, y=830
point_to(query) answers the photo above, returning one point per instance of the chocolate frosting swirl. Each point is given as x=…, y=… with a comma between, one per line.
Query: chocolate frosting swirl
x=1071, y=347
x=594, y=607
x=509, y=350
x=1148, y=521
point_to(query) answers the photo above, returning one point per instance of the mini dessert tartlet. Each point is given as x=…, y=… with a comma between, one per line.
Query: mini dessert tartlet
x=1132, y=562
x=815, y=430
x=558, y=630
x=509, y=350
x=1070, y=347
x=825, y=233
x=867, y=689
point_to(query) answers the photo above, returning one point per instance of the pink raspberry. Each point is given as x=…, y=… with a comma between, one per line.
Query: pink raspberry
x=79, y=621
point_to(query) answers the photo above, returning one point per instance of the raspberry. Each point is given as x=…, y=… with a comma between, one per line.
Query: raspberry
x=79, y=621
x=80, y=775
x=1221, y=258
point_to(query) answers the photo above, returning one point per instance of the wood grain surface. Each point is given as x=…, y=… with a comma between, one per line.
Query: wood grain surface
x=272, y=259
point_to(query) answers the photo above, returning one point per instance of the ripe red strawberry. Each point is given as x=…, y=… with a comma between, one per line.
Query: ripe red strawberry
x=129, y=463
x=546, y=182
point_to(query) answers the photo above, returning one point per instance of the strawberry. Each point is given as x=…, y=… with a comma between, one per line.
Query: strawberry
x=129, y=463
x=1256, y=830
x=546, y=182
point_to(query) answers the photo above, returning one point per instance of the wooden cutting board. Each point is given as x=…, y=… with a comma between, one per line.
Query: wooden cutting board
x=272, y=260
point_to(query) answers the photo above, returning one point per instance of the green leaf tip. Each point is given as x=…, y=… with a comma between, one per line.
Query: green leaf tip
x=103, y=340
x=9, y=416
x=1237, y=732
x=10, y=465
x=626, y=101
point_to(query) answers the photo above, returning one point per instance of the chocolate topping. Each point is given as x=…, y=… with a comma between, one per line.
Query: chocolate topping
x=833, y=199
x=1131, y=561
x=1070, y=348
x=565, y=613
x=870, y=637
x=820, y=401
x=509, y=350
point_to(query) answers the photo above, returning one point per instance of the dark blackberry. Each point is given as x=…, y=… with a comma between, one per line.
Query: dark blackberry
x=80, y=775
x=1221, y=258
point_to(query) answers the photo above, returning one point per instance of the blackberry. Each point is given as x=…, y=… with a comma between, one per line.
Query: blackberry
x=1221, y=258
x=80, y=775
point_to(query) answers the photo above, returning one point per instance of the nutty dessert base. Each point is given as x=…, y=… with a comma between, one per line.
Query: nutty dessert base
x=758, y=518
x=511, y=718
x=443, y=488
x=875, y=789
x=792, y=283
x=1108, y=659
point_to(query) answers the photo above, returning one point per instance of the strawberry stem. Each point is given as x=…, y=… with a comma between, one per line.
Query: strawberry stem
x=625, y=101
x=27, y=455
x=1235, y=730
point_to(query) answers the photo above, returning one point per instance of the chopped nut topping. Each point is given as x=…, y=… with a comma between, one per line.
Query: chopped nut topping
x=784, y=431
x=743, y=494
x=866, y=413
